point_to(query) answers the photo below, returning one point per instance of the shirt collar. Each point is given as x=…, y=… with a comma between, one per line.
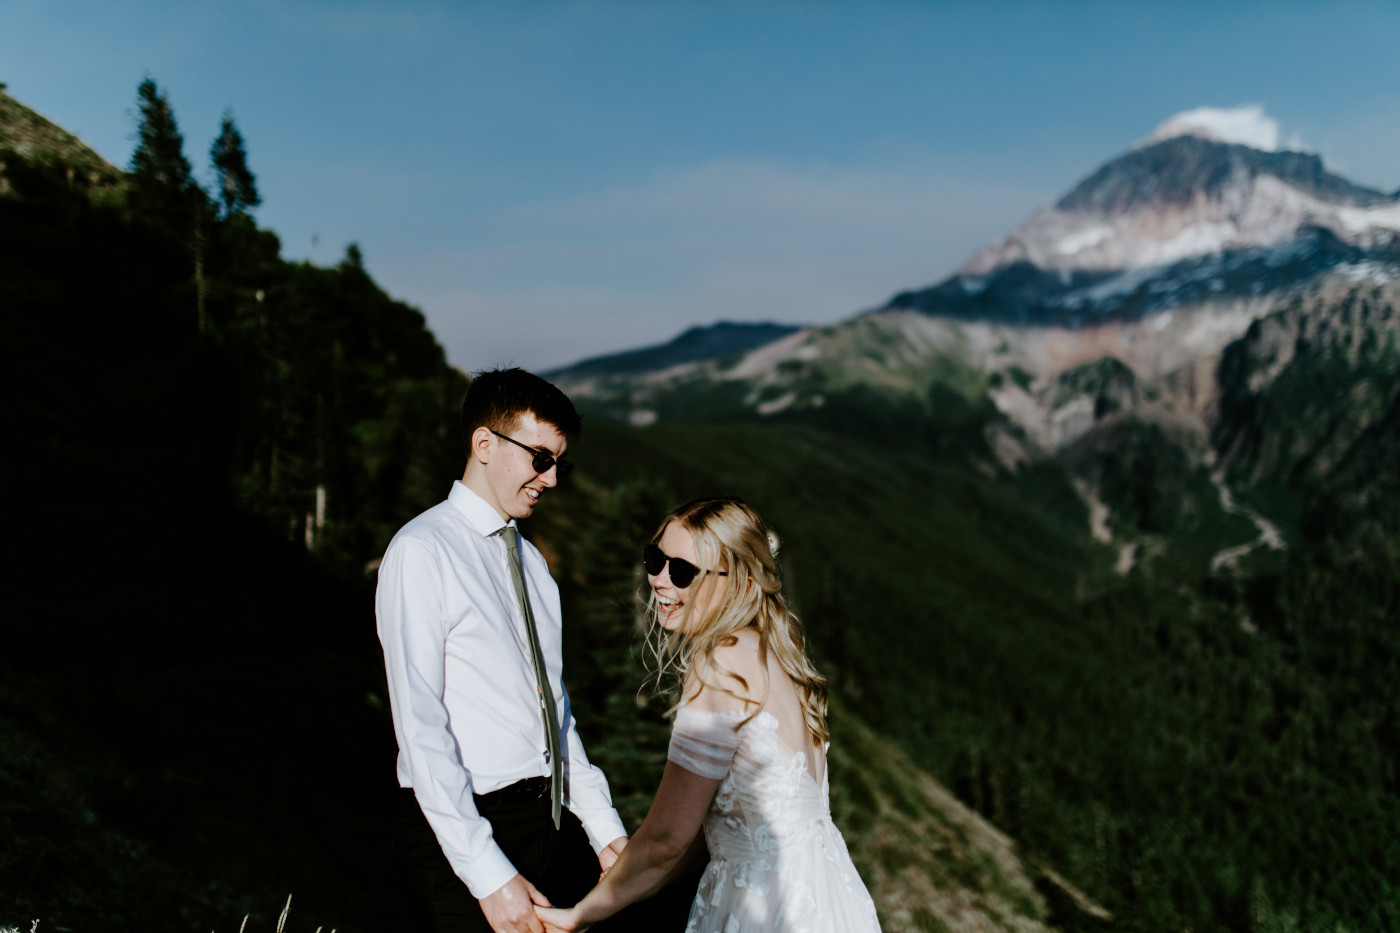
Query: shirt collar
x=485, y=520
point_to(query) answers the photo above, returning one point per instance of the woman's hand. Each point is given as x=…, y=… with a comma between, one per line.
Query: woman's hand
x=562, y=921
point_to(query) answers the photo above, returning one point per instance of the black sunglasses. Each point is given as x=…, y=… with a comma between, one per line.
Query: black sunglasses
x=682, y=571
x=543, y=459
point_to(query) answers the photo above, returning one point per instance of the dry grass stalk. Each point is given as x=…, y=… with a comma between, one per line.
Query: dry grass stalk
x=281, y=922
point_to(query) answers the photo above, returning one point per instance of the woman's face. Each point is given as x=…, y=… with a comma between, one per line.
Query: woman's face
x=675, y=605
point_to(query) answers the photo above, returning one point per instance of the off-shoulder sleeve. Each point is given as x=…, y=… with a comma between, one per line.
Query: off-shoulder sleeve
x=703, y=742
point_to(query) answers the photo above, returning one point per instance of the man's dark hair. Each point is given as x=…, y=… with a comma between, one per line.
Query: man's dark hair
x=497, y=398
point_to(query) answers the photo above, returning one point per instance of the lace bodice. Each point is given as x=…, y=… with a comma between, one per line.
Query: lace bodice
x=777, y=861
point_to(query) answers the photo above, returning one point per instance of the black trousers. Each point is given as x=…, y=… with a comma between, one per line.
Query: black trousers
x=560, y=863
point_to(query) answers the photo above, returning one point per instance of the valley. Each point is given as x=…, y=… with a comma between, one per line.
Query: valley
x=1269, y=535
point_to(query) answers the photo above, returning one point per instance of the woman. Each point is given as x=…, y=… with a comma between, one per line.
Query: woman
x=747, y=760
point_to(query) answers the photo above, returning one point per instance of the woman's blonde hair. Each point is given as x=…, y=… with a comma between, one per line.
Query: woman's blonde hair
x=730, y=537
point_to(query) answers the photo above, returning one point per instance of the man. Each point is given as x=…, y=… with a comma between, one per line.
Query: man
x=464, y=686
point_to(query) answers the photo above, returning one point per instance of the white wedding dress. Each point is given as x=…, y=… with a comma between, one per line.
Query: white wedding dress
x=777, y=861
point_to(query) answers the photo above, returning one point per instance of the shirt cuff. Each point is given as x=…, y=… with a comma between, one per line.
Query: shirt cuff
x=601, y=825
x=489, y=872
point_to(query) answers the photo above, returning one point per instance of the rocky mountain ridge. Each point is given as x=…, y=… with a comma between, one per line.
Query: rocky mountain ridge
x=1304, y=387
x=695, y=344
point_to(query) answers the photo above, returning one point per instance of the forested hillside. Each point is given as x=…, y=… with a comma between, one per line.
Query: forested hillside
x=210, y=442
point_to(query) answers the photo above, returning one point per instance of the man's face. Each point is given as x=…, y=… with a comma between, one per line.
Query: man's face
x=513, y=487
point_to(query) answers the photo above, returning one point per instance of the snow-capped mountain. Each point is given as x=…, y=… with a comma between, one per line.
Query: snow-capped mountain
x=1188, y=196
x=1187, y=213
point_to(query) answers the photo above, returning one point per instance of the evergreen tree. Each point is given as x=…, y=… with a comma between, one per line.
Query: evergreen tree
x=235, y=187
x=160, y=173
x=164, y=193
x=354, y=258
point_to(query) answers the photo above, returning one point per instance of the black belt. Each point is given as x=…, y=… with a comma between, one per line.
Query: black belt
x=524, y=791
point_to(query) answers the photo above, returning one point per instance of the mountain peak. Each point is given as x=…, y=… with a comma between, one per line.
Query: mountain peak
x=1205, y=209
x=1188, y=192
x=1178, y=170
x=1247, y=125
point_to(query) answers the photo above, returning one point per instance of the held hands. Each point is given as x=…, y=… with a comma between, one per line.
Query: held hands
x=556, y=920
x=511, y=907
x=608, y=857
x=560, y=921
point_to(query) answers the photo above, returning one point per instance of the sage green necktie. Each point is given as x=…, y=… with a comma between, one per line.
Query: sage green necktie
x=546, y=693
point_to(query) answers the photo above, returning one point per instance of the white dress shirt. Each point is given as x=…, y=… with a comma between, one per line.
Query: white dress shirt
x=462, y=684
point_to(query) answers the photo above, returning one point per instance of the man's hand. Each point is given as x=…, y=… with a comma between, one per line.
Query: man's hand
x=511, y=907
x=608, y=856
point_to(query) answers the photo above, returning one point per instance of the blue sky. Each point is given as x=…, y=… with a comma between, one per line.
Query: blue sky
x=551, y=181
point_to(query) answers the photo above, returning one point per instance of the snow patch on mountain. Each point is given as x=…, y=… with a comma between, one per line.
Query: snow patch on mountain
x=763, y=360
x=1361, y=219
x=1247, y=125
x=1258, y=211
x=1369, y=272
x=1082, y=240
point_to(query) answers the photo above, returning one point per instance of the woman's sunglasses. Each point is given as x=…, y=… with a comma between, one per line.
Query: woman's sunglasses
x=682, y=571
x=543, y=459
